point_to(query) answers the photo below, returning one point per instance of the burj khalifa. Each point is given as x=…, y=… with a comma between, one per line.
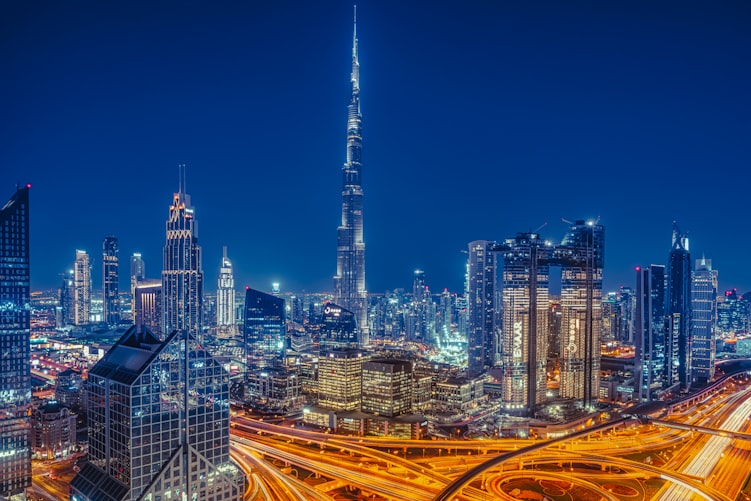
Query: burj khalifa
x=349, y=282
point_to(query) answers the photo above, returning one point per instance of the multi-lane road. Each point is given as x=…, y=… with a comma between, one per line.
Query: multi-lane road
x=630, y=461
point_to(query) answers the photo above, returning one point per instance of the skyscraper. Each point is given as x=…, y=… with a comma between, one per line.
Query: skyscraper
x=147, y=305
x=225, y=293
x=526, y=288
x=704, y=320
x=678, y=312
x=81, y=288
x=649, y=333
x=482, y=341
x=182, y=275
x=158, y=424
x=15, y=370
x=265, y=326
x=349, y=281
x=110, y=279
x=581, y=255
x=137, y=271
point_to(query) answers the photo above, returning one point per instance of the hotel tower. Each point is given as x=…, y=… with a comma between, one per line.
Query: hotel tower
x=182, y=275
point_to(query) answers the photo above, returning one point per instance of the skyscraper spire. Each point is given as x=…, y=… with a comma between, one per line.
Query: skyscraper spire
x=349, y=282
x=355, y=61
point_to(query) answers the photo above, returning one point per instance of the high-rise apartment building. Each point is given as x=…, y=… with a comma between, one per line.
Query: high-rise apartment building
x=110, y=280
x=387, y=387
x=81, y=288
x=349, y=281
x=678, y=312
x=482, y=342
x=158, y=424
x=649, y=333
x=182, y=275
x=704, y=320
x=225, y=293
x=15, y=370
x=525, y=279
x=581, y=256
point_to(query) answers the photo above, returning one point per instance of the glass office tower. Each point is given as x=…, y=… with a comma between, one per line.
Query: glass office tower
x=15, y=370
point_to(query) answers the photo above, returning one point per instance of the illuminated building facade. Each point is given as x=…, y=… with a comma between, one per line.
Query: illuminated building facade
x=225, y=293
x=53, y=430
x=387, y=387
x=482, y=343
x=158, y=424
x=581, y=256
x=525, y=281
x=147, y=305
x=349, y=281
x=137, y=271
x=182, y=275
x=81, y=288
x=15, y=370
x=340, y=380
x=704, y=320
x=338, y=328
x=678, y=312
x=733, y=315
x=649, y=333
x=110, y=279
x=265, y=325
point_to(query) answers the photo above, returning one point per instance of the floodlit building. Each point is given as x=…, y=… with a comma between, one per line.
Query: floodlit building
x=225, y=293
x=581, y=256
x=349, y=281
x=182, y=275
x=81, y=288
x=525, y=285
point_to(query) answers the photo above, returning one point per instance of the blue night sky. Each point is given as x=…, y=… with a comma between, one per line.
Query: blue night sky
x=480, y=119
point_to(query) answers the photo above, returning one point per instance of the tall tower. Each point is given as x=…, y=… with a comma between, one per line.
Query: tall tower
x=349, y=282
x=225, y=293
x=526, y=290
x=110, y=279
x=678, y=311
x=581, y=255
x=649, y=332
x=182, y=275
x=481, y=291
x=81, y=288
x=703, y=320
x=15, y=370
x=137, y=271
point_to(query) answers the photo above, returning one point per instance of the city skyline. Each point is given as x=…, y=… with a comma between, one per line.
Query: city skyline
x=640, y=108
